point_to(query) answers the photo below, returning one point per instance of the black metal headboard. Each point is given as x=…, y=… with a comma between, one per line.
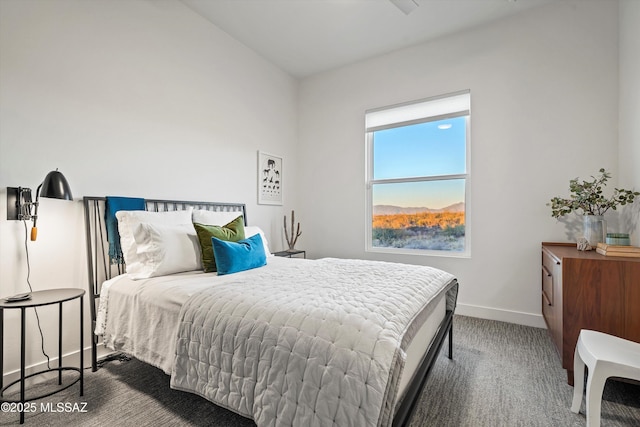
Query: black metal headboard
x=99, y=265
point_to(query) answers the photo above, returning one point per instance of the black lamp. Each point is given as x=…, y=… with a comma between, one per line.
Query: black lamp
x=19, y=204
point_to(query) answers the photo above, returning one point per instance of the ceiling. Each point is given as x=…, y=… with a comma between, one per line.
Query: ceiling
x=304, y=37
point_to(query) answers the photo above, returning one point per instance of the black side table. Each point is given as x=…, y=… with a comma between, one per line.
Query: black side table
x=40, y=298
x=289, y=253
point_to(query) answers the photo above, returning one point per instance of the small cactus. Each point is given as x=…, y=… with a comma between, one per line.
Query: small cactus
x=293, y=238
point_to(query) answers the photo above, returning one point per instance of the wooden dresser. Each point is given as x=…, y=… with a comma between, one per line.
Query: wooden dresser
x=586, y=290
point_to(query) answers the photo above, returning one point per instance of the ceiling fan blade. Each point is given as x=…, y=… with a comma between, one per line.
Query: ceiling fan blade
x=406, y=6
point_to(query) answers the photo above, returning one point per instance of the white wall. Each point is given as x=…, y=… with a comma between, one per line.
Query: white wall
x=133, y=98
x=544, y=88
x=148, y=99
x=630, y=107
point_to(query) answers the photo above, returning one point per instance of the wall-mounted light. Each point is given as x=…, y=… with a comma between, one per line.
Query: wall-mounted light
x=20, y=205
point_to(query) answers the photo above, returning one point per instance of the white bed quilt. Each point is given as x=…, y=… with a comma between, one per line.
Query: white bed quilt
x=310, y=343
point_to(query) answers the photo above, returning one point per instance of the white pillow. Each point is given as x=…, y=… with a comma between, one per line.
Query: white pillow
x=129, y=220
x=252, y=231
x=165, y=249
x=214, y=218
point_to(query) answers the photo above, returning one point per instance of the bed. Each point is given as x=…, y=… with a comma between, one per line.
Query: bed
x=293, y=342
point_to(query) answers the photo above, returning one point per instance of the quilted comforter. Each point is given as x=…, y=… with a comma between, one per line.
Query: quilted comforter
x=316, y=343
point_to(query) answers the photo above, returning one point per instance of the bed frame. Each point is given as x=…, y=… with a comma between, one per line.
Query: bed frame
x=100, y=269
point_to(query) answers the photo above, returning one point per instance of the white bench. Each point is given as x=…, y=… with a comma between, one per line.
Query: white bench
x=605, y=356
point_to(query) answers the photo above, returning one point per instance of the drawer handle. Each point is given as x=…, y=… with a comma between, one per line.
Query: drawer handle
x=546, y=271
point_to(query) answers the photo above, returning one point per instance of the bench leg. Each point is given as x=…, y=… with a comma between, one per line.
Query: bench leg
x=451, y=341
x=595, y=387
x=578, y=381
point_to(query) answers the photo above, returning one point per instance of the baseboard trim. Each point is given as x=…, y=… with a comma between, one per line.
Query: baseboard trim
x=70, y=359
x=509, y=316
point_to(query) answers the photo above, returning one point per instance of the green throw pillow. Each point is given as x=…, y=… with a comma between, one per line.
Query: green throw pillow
x=232, y=232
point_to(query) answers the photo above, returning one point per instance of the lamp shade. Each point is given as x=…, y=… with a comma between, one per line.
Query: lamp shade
x=55, y=186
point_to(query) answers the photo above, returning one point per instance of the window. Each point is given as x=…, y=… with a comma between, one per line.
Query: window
x=418, y=176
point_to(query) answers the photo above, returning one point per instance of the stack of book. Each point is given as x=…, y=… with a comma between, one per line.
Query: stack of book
x=618, y=250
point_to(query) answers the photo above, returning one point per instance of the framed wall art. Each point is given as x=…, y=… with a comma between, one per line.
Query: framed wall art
x=269, y=179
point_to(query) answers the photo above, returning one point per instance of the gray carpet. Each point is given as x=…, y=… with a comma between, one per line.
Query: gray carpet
x=501, y=375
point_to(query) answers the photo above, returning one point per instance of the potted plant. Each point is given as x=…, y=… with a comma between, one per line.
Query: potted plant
x=588, y=198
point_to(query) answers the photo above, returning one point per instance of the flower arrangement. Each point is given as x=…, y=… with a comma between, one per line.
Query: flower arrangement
x=588, y=197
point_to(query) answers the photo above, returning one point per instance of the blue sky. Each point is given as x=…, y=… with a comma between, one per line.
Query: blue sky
x=419, y=150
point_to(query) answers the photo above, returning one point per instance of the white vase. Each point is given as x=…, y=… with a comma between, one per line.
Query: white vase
x=595, y=229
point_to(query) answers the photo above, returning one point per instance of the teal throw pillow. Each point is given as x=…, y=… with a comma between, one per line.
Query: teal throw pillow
x=232, y=257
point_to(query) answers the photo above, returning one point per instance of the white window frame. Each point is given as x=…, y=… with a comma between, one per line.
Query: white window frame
x=406, y=114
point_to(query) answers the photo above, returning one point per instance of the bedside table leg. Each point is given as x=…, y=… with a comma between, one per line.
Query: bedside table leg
x=22, y=361
x=1, y=348
x=60, y=344
x=81, y=346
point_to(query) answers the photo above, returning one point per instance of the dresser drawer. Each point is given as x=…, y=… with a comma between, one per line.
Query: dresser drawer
x=548, y=267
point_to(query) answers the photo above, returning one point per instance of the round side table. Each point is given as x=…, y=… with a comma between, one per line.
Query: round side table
x=38, y=299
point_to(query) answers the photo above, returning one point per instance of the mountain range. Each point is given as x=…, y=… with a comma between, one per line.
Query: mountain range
x=394, y=210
